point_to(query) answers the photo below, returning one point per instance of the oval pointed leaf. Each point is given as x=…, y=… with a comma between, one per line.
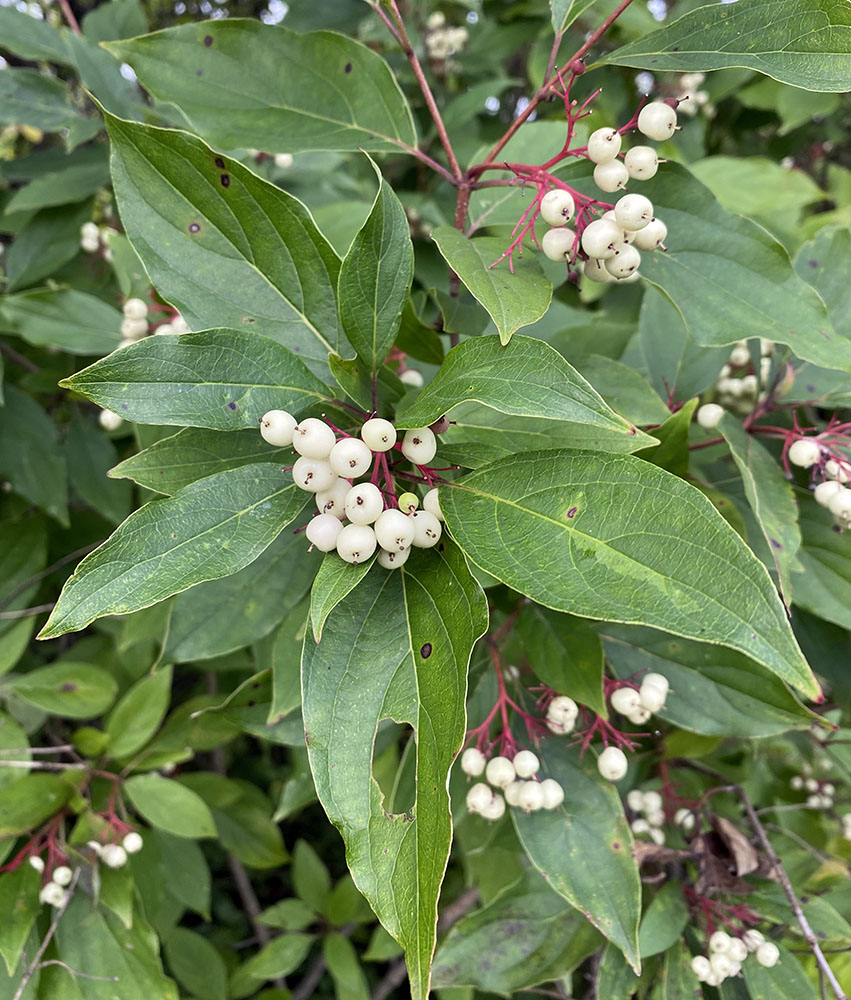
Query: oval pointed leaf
x=221, y=379
x=318, y=90
x=397, y=647
x=334, y=580
x=225, y=247
x=207, y=530
x=170, y=806
x=70, y=690
x=512, y=300
x=375, y=278
x=138, y=715
x=806, y=43
x=583, y=848
x=613, y=537
x=524, y=378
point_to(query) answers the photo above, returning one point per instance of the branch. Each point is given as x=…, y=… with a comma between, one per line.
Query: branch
x=35, y=964
x=30, y=580
x=68, y=14
x=13, y=355
x=26, y=612
x=79, y=975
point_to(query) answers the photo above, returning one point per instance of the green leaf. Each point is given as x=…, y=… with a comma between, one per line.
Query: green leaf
x=355, y=379
x=824, y=587
x=29, y=37
x=116, y=19
x=50, y=239
x=28, y=98
x=170, y=806
x=565, y=654
x=583, y=848
x=806, y=43
x=207, y=530
x=280, y=957
x=756, y=186
x=67, y=689
x=195, y=453
x=672, y=451
x=90, y=454
x=138, y=714
x=397, y=635
x=769, y=495
x=714, y=691
x=31, y=458
x=68, y=319
x=27, y=803
x=288, y=915
x=221, y=616
x=784, y=981
x=664, y=920
x=222, y=379
x=196, y=964
x=730, y=279
x=824, y=263
x=342, y=963
x=23, y=553
x=612, y=537
x=20, y=906
x=564, y=12
x=526, y=936
x=523, y=378
x=512, y=300
x=73, y=183
x=625, y=390
x=375, y=278
x=12, y=737
x=249, y=832
x=311, y=878
x=334, y=581
x=313, y=91
x=225, y=247
x=680, y=983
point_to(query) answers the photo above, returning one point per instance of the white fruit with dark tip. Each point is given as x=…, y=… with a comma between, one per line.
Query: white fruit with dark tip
x=604, y=145
x=595, y=270
x=840, y=505
x=333, y=500
x=323, y=532
x=431, y=503
x=526, y=764
x=473, y=762
x=652, y=236
x=641, y=162
x=392, y=560
x=625, y=263
x=627, y=236
x=753, y=939
x=364, y=503
x=600, y=237
x=479, y=797
x=804, y=453
x=350, y=458
x=427, y=529
x=495, y=809
x=700, y=967
x=530, y=798
x=419, y=445
x=313, y=474
x=633, y=212
x=394, y=530
x=557, y=244
x=562, y=709
x=313, y=438
x=500, y=771
x=833, y=470
x=826, y=491
x=356, y=543
x=277, y=428
x=611, y=177
x=657, y=121
x=557, y=207
x=625, y=700
x=719, y=941
x=612, y=764
x=378, y=434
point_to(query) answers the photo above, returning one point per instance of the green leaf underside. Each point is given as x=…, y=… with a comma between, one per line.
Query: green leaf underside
x=225, y=247
x=805, y=43
x=583, y=848
x=714, y=691
x=730, y=279
x=397, y=647
x=613, y=537
x=769, y=495
x=195, y=453
x=208, y=530
x=375, y=278
x=220, y=379
x=512, y=300
x=523, y=378
x=318, y=90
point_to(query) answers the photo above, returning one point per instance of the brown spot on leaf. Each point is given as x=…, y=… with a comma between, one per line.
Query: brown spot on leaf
x=219, y=162
x=208, y=40
x=348, y=68
x=67, y=687
x=425, y=652
x=225, y=179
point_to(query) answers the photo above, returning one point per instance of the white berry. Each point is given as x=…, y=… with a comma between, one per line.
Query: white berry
x=612, y=764
x=553, y=793
x=625, y=700
x=410, y=376
x=109, y=421
x=738, y=950
x=350, y=458
x=473, y=762
x=804, y=452
x=642, y=162
x=719, y=941
x=557, y=207
x=530, y=798
x=164, y=329
x=364, y=503
x=52, y=894
x=652, y=698
x=393, y=560
x=833, y=470
x=512, y=792
x=654, y=680
x=526, y=764
x=179, y=325
x=700, y=967
x=709, y=415
x=323, y=531
x=638, y=716
x=313, y=438
x=408, y=502
x=500, y=771
x=134, y=329
x=684, y=818
x=753, y=939
x=600, y=237
x=840, y=504
x=653, y=235
x=62, y=875
x=277, y=428
x=479, y=797
x=356, y=543
x=604, y=145
x=333, y=500
x=313, y=474
x=721, y=964
x=627, y=235
x=378, y=434
x=557, y=244
x=431, y=503
x=419, y=445
x=394, y=530
x=562, y=709
x=635, y=800
x=623, y=265
x=113, y=856
x=135, y=309
x=595, y=270
x=657, y=121
x=495, y=809
x=633, y=212
x=132, y=842
x=427, y=529
x=37, y=863
x=611, y=176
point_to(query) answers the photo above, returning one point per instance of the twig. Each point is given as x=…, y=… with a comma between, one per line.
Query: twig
x=35, y=964
x=68, y=14
x=26, y=612
x=19, y=359
x=79, y=975
x=62, y=748
x=791, y=896
x=314, y=974
x=394, y=977
x=43, y=765
x=30, y=580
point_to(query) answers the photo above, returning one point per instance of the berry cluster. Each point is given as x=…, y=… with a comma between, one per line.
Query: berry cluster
x=516, y=778
x=90, y=237
x=638, y=703
x=738, y=385
x=820, y=794
x=651, y=814
x=54, y=890
x=443, y=41
x=330, y=461
x=726, y=955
